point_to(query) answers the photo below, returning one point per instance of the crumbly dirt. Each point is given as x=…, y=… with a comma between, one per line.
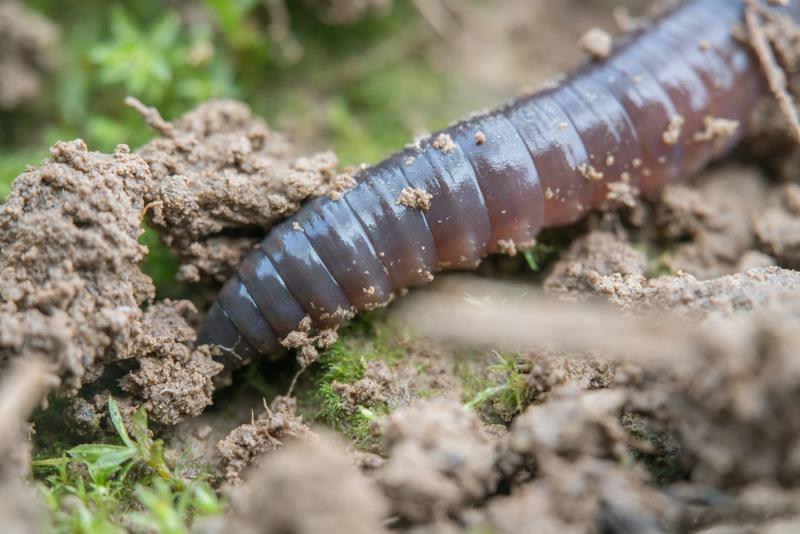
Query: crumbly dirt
x=778, y=226
x=247, y=443
x=221, y=178
x=712, y=222
x=72, y=288
x=453, y=459
x=27, y=42
x=69, y=256
x=599, y=264
x=173, y=380
x=306, y=487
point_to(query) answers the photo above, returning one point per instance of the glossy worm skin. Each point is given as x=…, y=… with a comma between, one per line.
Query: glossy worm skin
x=498, y=178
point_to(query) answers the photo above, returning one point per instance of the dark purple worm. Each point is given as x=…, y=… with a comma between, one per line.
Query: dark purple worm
x=649, y=114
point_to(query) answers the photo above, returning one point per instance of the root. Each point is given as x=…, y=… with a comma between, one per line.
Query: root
x=151, y=116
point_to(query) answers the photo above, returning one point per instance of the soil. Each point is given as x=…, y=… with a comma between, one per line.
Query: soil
x=69, y=256
x=247, y=443
x=307, y=487
x=220, y=179
x=645, y=381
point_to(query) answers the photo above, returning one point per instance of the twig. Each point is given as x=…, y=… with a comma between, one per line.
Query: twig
x=776, y=77
x=151, y=116
x=24, y=386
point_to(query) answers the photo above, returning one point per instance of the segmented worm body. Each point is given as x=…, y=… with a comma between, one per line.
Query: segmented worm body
x=668, y=99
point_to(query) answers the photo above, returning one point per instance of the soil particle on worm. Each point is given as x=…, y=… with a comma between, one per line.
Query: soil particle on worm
x=27, y=40
x=221, y=179
x=415, y=198
x=307, y=487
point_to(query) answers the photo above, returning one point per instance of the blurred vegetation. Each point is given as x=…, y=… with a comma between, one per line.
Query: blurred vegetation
x=363, y=89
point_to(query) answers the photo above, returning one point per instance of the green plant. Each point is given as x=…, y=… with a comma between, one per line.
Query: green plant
x=160, y=60
x=344, y=362
x=94, y=488
x=508, y=392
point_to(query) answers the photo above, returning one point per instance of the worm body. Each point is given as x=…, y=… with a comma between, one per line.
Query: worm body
x=645, y=116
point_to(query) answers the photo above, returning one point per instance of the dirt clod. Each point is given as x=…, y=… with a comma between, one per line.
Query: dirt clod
x=600, y=264
x=778, y=228
x=247, y=443
x=221, y=179
x=174, y=380
x=453, y=460
x=307, y=487
x=69, y=278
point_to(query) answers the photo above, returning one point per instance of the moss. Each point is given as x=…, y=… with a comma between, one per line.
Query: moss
x=665, y=462
x=368, y=338
x=503, y=391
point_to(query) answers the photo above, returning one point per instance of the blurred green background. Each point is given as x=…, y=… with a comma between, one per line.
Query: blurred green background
x=363, y=89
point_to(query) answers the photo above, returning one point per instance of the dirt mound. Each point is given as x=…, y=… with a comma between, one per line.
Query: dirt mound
x=26, y=43
x=600, y=264
x=69, y=256
x=72, y=291
x=221, y=179
x=453, y=460
x=711, y=223
x=246, y=444
x=307, y=487
x=173, y=380
x=778, y=227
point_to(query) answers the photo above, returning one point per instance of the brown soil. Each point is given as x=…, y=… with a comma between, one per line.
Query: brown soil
x=247, y=443
x=173, y=380
x=73, y=292
x=221, y=178
x=27, y=41
x=307, y=487
x=69, y=255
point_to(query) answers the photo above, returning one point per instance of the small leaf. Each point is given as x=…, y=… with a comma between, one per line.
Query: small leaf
x=139, y=428
x=119, y=425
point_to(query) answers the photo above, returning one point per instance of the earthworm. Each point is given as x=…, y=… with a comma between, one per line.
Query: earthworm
x=666, y=101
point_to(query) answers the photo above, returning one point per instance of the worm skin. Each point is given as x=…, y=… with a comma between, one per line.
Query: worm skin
x=498, y=178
